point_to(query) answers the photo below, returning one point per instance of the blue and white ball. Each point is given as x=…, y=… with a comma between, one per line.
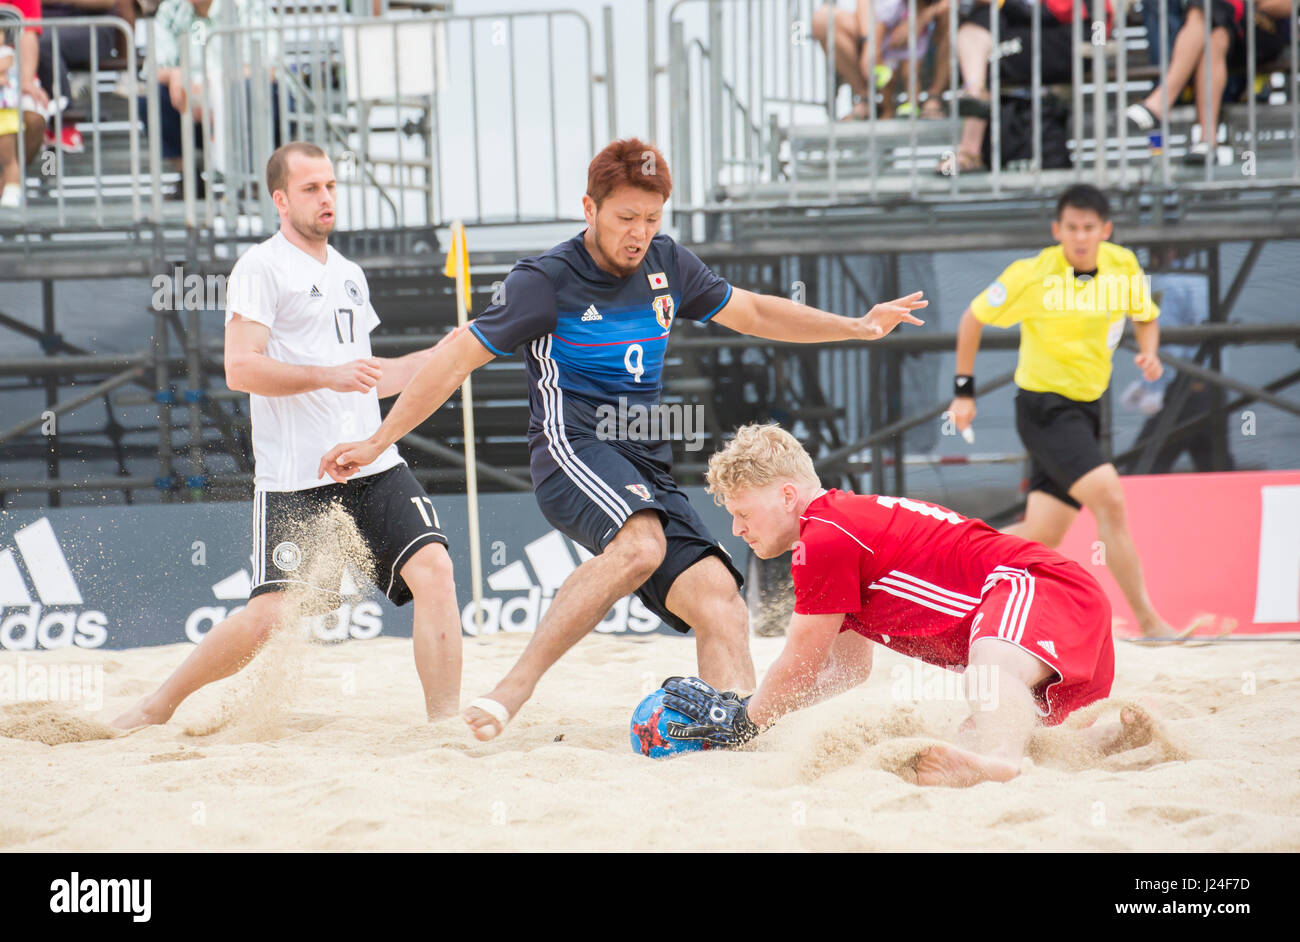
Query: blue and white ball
x=650, y=729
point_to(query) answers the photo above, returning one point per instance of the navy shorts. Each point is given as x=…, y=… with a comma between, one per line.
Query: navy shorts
x=610, y=486
x=1063, y=438
x=393, y=516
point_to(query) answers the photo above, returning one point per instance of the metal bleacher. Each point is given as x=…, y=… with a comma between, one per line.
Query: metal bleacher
x=769, y=189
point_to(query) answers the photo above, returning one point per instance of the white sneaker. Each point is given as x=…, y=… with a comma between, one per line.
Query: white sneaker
x=12, y=197
x=1198, y=153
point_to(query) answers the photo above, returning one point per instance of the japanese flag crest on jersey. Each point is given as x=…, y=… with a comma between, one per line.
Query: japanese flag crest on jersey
x=663, y=306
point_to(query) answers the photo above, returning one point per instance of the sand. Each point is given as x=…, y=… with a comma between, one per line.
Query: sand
x=326, y=749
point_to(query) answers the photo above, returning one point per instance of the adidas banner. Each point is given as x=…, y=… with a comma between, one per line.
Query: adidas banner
x=126, y=577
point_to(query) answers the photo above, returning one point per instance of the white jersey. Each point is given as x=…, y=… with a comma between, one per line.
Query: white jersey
x=319, y=315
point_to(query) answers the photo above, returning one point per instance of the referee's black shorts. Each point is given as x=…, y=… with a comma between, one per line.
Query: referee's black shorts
x=1063, y=439
x=294, y=545
x=603, y=486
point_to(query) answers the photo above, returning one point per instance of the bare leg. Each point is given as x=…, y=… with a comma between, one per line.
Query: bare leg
x=8, y=160
x=1047, y=520
x=991, y=744
x=1207, y=112
x=224, y=650
x=846, y=47
x=939, y=81
x=1100, y=491
x=436, y=629
x=1189, y=48
x=706, y=598
x=974, y=44
x=582, y=601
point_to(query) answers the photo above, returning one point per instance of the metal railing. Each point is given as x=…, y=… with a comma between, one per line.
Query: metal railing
x=51, y=170
x=487, y=117
x=756, y=103
x=423, y=132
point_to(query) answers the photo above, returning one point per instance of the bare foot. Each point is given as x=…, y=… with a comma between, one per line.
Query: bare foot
x=952, y=767
x=484, y=725
x=1136, y=728
x=1160, y=630
x=142, y=714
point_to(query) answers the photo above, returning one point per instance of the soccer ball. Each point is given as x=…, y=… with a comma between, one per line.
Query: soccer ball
x=650, y=729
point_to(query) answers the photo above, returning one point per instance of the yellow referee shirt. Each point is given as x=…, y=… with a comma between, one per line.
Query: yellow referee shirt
x=1070, y=326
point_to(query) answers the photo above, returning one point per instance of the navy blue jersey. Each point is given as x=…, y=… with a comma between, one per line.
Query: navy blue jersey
x=590, y=338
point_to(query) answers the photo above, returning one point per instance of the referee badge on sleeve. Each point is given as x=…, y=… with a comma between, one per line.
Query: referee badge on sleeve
x=997, y=294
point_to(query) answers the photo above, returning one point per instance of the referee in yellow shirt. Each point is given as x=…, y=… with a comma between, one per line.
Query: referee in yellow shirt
x=1071, y=302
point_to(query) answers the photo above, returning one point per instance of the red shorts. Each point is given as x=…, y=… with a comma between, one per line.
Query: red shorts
x=1058, y=613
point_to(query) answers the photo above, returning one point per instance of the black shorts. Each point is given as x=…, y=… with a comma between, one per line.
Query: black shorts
x=1015, y=37
x=614, y=485
x=1272, y=42
x=292, y=547
x=1063, y=438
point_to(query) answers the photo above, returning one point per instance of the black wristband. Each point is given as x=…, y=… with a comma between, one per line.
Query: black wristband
x=963, y=387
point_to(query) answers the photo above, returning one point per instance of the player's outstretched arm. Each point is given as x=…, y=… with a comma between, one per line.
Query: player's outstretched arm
x=440, y=376
x=798, y=676
x=774, y=318
x=250, y=370
x=399, y=371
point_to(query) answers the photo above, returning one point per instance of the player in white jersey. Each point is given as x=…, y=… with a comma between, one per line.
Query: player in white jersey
x=298, y=325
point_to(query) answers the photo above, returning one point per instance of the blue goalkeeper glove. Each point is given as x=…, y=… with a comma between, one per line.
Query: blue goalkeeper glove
x=719, y=719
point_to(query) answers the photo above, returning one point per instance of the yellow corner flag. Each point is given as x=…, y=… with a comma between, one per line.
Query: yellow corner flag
x=458, y=261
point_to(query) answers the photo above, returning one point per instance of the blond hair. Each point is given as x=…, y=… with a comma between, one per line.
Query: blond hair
x=759, y=455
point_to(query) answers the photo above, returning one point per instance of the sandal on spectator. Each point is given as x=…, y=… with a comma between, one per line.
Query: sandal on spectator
x=966, y=162
x=1142, y=117
x=861, y=110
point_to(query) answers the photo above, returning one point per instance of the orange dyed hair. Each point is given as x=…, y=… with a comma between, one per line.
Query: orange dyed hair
x=629, y=162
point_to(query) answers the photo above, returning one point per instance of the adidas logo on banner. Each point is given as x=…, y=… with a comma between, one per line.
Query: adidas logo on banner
x=551, y=561
x=591, y=314
x=353, y=619
x=315, y=292
x=55, y=621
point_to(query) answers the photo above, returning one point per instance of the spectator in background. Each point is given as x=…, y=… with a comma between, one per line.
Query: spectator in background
x=1015, y=59
x=885, y=22
x=179, y=21
x=20, y=93
x=1184, y=301
x=1227, y=47
x=73, y=53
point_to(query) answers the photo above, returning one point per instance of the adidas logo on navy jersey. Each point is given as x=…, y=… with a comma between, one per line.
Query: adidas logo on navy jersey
x=591, y=314
x=315, y=292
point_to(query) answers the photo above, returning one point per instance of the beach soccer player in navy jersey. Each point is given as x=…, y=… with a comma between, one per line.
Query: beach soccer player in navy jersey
x=1028, y=628
x=591, y=318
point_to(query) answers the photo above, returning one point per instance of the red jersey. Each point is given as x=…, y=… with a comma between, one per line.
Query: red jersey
x=928, y=583
x=904, y=572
